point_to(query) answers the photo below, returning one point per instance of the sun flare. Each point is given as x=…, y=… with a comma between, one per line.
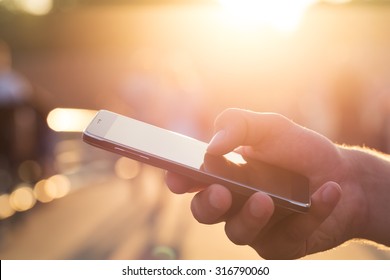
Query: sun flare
x=283, y=15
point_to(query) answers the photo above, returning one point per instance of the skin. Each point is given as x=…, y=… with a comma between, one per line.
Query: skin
x=349, y=186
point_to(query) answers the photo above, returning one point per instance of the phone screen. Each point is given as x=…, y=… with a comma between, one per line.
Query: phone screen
x=158, y=145
x=159, y=142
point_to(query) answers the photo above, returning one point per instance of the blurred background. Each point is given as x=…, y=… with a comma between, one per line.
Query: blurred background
x=177, y=64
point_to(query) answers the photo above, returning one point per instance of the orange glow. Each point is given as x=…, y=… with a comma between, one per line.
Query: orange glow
x=35, y=7
x=22, y=199
x=29, y=171
x=55, y=187
x=61, y=185
x=338, y=1
x=69, y=120
x=126, y=168
x=5, y=208
x=43, y=191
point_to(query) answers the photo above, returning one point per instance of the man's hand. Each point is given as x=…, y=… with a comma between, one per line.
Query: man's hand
x=337, y=202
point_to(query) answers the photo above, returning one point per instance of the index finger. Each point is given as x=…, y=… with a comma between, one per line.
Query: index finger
x=274, y=139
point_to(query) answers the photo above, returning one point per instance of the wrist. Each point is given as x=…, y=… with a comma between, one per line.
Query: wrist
x=368, y=182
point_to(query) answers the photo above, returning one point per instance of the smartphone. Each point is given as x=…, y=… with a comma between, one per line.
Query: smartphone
x=188, y=156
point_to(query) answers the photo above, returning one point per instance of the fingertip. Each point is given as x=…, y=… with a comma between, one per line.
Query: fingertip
x=231, y=129
x=173, y=182
x=178, y=184
x=331, y=193
x=243, y=227
x=261, y=205
x=219, y=198
x=324, y=200
x=216, y=143
x=210, y=205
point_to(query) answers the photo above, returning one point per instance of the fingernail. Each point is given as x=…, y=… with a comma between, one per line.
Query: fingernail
x=331, y=194
x=217, y=139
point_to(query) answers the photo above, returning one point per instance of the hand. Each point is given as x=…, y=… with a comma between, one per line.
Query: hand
x=338, y=204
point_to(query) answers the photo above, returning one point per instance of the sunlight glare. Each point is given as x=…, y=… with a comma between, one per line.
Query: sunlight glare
x=283, y=15
x=36, y=7
x=338, y=1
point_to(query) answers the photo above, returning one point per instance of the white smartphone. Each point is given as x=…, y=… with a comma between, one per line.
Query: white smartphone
x=187, y=156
